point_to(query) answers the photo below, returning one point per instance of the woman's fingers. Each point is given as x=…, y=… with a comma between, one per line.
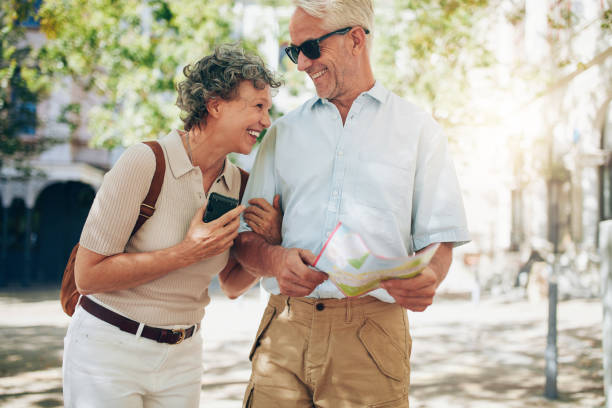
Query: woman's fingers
x=228, y=216
x=260, y=212
x=198, y=216
x=261, y=203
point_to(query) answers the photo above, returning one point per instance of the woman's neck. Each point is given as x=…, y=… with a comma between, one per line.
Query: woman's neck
x=203, y=151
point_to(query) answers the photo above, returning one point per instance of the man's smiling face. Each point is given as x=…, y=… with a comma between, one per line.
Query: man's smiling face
x=328, y=72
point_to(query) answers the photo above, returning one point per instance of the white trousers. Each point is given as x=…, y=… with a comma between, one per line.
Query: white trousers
x=105, y=367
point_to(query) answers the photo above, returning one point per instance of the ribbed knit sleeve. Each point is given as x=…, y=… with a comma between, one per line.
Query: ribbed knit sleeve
x=117, y=204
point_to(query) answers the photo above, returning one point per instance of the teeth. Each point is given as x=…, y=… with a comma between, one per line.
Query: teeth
x=254, y=133
x=318, y=74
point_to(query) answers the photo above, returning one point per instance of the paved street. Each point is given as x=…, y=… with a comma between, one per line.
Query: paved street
x=488, y=355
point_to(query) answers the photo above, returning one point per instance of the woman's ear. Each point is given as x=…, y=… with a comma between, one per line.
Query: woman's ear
x=214, y=107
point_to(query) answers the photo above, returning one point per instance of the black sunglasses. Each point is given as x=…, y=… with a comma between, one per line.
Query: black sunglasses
x=311, y=48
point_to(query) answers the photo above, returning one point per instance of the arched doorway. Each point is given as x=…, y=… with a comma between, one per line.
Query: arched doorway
x=58, y=217
x=12, y=269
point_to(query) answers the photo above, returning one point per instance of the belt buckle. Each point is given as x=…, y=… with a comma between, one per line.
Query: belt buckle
x=181, y=332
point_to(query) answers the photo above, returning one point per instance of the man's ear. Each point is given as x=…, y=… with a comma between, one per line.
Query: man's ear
x=214, y=106
x=358, y=38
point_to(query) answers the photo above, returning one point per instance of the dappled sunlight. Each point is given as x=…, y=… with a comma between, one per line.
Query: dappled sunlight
x=485, y=355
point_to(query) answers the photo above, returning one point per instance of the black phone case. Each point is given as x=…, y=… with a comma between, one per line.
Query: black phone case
x=218, y=205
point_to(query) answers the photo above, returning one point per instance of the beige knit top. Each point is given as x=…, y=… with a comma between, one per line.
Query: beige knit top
x=180, y=296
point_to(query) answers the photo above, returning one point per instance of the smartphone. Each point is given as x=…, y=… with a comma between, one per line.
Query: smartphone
x=218, y=205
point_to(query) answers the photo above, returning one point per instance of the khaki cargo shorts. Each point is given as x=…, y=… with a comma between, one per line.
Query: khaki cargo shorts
x=330, y=353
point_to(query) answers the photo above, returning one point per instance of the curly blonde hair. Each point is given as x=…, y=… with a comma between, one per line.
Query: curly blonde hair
x=218, y=76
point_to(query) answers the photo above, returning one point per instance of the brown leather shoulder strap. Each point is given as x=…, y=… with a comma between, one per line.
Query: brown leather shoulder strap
x=244, y=177
x=147, y=208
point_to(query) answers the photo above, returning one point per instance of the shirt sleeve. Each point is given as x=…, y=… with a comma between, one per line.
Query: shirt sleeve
x=437, y=207
x=115, y=209
x=262, y=180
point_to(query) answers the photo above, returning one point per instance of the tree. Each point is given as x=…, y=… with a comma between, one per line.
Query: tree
x=22, y=84
x=131, y=53
x=427, y=50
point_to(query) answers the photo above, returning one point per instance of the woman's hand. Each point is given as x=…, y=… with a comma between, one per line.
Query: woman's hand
x=207, y=239
x=265, y=219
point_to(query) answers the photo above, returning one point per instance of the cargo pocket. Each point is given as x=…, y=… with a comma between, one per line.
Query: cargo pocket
x=388, y=357
x=248, y=396
x=398, y=403
x=263, y=326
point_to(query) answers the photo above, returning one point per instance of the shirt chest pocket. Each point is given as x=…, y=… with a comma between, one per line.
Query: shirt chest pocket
x=382, y=181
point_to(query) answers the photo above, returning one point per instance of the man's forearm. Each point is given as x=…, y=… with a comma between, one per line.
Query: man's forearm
x=256, y=255
x=441, y=261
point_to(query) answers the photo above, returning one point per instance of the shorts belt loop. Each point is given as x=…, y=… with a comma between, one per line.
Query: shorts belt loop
x=139, y=331
x=288, y=305
x=349, y=312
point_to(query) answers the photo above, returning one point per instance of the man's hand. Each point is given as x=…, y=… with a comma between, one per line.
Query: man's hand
x=415, y=293
x=293, y=273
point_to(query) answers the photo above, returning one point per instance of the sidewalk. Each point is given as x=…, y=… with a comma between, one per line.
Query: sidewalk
x=489, y=355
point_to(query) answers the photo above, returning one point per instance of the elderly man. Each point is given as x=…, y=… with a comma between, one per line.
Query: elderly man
x=360, y=155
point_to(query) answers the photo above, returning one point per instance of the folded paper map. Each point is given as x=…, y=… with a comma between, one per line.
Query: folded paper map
x=355, y=270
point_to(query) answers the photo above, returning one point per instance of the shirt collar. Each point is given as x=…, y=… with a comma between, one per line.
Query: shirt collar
x=177, y=155
x=228, y=174
x=378, y=92
x=180, y=164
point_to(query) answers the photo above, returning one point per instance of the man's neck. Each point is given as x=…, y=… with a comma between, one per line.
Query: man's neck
x=344, y=102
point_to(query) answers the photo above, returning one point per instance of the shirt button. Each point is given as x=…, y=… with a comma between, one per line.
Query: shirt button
x=320, y=306
x=340, y=153
x=335, y=193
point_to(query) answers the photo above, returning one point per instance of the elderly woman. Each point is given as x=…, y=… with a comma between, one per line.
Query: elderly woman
x=158, y=278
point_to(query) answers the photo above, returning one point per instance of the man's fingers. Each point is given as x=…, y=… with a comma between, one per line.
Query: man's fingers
x=311, y=275
x=307, y=256
x=425, y=279
x=276, y=202
x=291, y=287
x=415, y=304
x=308, y=273
x=400, y=288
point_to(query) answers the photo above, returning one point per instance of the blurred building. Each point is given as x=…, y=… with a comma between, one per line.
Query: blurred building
x=561, y=170
x=41, y=217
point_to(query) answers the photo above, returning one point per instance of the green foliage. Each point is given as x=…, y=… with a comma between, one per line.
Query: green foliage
x=131, y=53
x=606, y=20
x=21, y=86
x=426, y=49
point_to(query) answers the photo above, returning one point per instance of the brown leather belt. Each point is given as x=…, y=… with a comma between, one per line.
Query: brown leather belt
x=170, y=336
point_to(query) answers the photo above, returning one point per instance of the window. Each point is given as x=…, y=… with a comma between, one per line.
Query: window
x=32, y=20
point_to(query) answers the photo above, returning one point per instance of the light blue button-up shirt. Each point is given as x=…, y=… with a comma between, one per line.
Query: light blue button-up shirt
x=385, y=174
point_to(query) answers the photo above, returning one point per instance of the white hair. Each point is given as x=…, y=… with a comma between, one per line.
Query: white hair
x=337, y=14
